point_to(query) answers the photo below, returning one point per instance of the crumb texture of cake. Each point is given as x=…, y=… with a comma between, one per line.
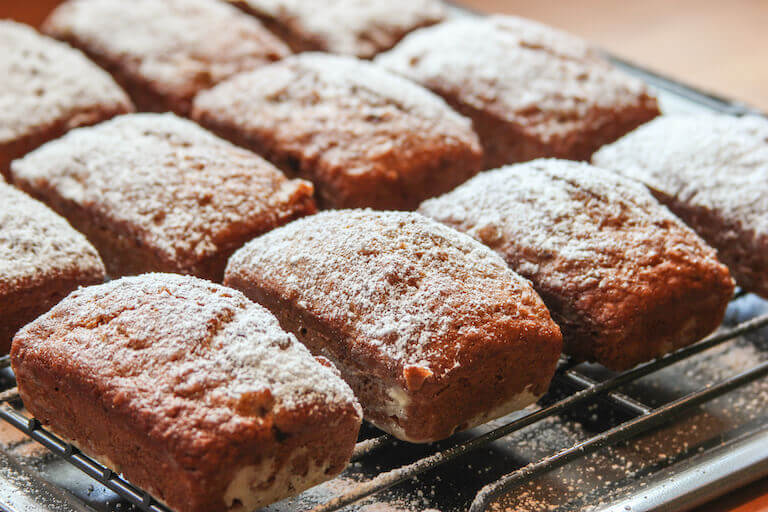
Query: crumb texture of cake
x=164, y=52
x=364, y=136
x=42, y=259
x=712, y=171
x=154, y=192
x=625, y=279
x=361, y=28
x=531, y=91
x=431, y=329
x=189, y=389
x=47, y=89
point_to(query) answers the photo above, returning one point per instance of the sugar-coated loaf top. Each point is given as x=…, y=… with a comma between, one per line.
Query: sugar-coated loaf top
x=341, y=109
x=202, y=357
x=716, y=162
x=396, y=286
x=577, y=230
x=165, y=180
x=181, y=46
x=351, y=27
x=36, y=245
x=45, y=81
x=515, y=69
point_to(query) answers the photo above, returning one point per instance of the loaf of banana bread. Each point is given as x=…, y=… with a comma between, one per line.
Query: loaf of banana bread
x=190, y=390
x=349, y=27
x=430, y=328
x=625, y=279
x=531, y=91
x=42, y=259
x=164, y=52
x=48, y=88
x=154, y=192
x=364, y=136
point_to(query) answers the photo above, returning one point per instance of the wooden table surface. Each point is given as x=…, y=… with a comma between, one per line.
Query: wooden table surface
x=717, y=46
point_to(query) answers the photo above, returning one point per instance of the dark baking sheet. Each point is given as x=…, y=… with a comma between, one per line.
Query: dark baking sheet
x=703, y=454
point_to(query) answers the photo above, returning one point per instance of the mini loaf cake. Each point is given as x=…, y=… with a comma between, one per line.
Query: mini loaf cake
x=190, y=390
x=47, y=89
x=352, y=27
x=365, y=137
x=430, y=329
x=712, y=171
x=531, y=91
x=164, y=52
x=42, y=259
x=154, y=192
x=624, y=278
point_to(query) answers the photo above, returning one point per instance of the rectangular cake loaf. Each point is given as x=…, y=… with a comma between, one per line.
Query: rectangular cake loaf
x=190, y=390
x=530, y=90
x=154, y=192
x=625, y=279
x=430, y=328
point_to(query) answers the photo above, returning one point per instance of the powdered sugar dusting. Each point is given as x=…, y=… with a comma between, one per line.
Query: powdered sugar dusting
x=515, y=69
x=357, y=88
x=181, y=46
x=184, y=192
x=45, y=81
x=200, y=352
x=715, y=162
x=396, y=280
x=352, y=27
x=36, y=244
x=568, y=224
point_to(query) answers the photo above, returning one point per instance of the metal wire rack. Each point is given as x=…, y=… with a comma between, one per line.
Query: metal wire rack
x=642, y=418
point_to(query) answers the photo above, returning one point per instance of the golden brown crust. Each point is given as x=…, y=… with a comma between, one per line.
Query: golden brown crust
x=348, y=27
x=530, y=90
x=625, y=279
x=42, y=259
x=431, y=329
x=163, y=53
x=364, y=136
x=158, y=193
x=183, y=386
x=48, y=88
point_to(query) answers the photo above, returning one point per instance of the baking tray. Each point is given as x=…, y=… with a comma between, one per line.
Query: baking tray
x=707, y=450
